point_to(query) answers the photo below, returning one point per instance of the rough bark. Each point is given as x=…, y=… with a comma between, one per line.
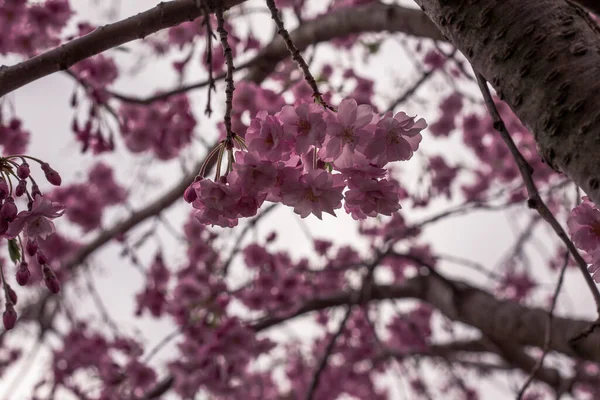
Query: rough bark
x=543, y=59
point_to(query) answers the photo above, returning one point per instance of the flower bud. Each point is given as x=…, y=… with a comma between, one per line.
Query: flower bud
x=21, y=188
x=35, y=191
x=12, y=295
x=23, y=170
x=4, y=191
x=8, y=211
x=23, y=274
x=190, y=194
x=50, y=279
x=41, y=257
x=31, y=247
x=9, y=318
x=51, y=175
x=3, y=226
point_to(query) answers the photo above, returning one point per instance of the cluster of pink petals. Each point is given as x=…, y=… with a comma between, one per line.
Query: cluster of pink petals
x=352, y=147
x=584, y=228
x=87, y=202
x=13, y=138
x=36, y=222
x=165, y=127
x=27, y=27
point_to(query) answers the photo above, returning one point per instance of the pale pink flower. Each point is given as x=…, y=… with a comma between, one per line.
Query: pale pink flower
x=266, y=136
x=346, y=128
x=251, y=173
x=372, y=197
x=305, y=123
x=37, y=222
x=584, y=226
x=317, y=191
x=395, y=138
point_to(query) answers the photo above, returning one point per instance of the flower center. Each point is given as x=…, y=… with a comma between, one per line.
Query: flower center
x=303, y=127
x=596, y=228
x=310, y=196
x=348, y=135
x=392, y=137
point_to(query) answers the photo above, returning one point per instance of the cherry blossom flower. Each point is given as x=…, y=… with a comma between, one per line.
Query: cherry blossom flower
x=317, y=191
x=38, y=221
x=305, y=123
x=372, y=197
x=346, y=128
x=584, y=226
x=395, y=139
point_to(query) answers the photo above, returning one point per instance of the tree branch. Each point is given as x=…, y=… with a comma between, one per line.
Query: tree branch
x=498, y=320
x=164, y=15
x=542, y=58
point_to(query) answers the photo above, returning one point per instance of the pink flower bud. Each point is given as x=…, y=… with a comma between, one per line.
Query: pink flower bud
x=42, y=258
x=12, y=295
x=50, y=279
x=23, y=171
x=3, y=189
x=31, y=247
x=35, y=190
x=21, y=188
x=3, y=226
x=9, y=318
x=8, y=211
x=23, y=274
x=51, y=175
x=190, y=194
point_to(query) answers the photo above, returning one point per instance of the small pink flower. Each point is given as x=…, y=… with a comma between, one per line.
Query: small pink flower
x=266, y=136
x=347, y=128
x=372, y=197
x=584, y=226
x=317, y=191
x=251, y=173
x=37, y=222
x=305, y=123
x=395, y=138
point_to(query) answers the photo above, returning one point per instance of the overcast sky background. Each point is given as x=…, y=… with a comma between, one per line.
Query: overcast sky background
x=44, y=105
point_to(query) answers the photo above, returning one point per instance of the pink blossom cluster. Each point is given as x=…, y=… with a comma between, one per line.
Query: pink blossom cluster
x=96, y=74
x=354, y=370
x=494, y=159
x=584, y=228
x=165, y=127
x=277, y=285
x=23, y=229
x=27, y=27
x=13, y=138
x=116, y=363
x=215, y=355
x=86, y=202
x=154, y=296
x=290, y=156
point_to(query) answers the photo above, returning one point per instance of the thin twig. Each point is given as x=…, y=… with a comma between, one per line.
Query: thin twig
x=296, y=56
x=548, y=335
x=325, y=357
x=230, y=68
x=365, y=291
x=535, y=201
x=209, y=37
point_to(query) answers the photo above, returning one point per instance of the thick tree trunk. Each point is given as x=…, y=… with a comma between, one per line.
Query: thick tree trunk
x=543, y=59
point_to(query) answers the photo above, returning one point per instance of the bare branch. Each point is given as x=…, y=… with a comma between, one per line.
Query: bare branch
x=164, y=15
x=535, y=201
